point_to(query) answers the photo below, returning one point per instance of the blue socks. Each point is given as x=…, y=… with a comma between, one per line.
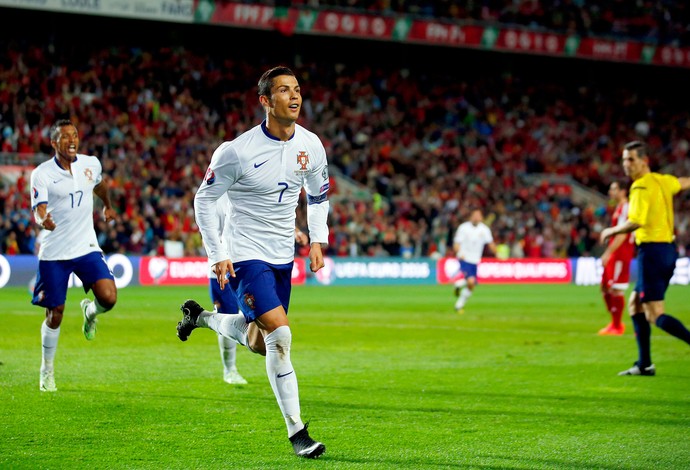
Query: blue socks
x=672, y=326
x=643, y=334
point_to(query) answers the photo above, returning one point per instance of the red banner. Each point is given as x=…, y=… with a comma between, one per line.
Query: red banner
x=431, y=32
x=521, y=271
x=404, y=28
x=344, y=24
x=532, y=42
x=246, y=15
x=614, y=51
x=191, y=271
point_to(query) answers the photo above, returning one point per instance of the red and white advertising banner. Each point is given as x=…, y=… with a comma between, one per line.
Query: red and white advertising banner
x=161, y=271
x=513, y=271
x=432, y=32
x=345, y=24
x=245, y=15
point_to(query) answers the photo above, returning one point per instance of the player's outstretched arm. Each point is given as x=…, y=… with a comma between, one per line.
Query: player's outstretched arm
x=627, y=227
x=684, y=182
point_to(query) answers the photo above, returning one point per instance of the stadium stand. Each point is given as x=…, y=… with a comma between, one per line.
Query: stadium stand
x=424, y=143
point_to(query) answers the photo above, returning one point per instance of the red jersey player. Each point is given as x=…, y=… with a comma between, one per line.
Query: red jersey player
x=616, y=261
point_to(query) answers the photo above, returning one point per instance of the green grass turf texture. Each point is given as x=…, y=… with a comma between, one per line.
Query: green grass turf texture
x=390, y=377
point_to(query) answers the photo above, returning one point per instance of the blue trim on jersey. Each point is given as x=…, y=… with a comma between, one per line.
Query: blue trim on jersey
x=58, y=162
x=38, y=204
x=226, y=297
x=53, y=276
x=261, y=286
x=316, y=199
x=271, y=136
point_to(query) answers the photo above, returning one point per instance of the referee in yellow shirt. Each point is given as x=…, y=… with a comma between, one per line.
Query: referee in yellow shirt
x=650, y=215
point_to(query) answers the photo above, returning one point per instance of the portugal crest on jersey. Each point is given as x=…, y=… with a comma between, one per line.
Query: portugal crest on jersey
x=249, y=301
x=302, y=161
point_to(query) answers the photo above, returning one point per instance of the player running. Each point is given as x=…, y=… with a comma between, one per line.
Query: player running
x=470, y=239
x=62, y=191
x=263, y=172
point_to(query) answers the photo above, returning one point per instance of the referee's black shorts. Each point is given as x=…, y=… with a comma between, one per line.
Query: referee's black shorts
x=655, y=265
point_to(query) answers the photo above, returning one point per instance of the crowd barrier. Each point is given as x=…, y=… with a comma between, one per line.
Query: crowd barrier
x=20, y=270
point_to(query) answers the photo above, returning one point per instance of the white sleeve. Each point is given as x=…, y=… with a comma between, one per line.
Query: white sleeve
x=39, y=189
x=489, y=235
x=317, y=186
x=623, y=217
x=220, y=175
x=458, y=235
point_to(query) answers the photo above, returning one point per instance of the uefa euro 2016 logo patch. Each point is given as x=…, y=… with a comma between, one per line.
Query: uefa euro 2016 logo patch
x=302, y=161
x=89, y=174
x=210, y=176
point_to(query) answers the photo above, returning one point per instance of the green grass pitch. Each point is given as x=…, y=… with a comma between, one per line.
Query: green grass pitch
x=390, y=377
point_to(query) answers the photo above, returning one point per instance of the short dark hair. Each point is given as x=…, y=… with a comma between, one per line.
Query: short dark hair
x=638, y=146
x=55, y=128
x=266, y=80
x=621, y=185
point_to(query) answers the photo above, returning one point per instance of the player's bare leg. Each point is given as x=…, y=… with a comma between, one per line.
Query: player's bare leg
x=105, y=293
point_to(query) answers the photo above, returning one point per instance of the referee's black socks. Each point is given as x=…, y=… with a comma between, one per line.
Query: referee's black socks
x=643, y=333
x=673, y=326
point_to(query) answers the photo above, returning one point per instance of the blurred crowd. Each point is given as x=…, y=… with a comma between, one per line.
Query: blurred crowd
x=662, y=22
x=425, y=146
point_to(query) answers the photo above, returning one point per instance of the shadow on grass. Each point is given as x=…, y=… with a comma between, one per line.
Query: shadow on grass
x=511, y=462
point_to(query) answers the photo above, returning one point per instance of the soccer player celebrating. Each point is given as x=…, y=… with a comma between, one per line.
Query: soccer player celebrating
x=650, y=216
x=616, y=261
x=62, y=191
x=263, y=172
x=468, y=244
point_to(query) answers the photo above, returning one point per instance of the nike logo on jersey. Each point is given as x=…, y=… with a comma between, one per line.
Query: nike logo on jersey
x=257, y=165
x=280, y=376
x=56, y=181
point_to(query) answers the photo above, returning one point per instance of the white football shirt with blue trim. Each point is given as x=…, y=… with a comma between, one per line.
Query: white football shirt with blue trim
x=69, y=199
x=263, y=177
x=472, y=239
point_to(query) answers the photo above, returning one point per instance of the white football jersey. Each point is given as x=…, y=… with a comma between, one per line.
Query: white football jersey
x=69, y=199
x=472, y=239
x=263, y=177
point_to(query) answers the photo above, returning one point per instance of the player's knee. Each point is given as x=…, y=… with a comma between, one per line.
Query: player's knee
x=257, y=346
x=107, y=299
x=279, y=339
x=54, y=316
